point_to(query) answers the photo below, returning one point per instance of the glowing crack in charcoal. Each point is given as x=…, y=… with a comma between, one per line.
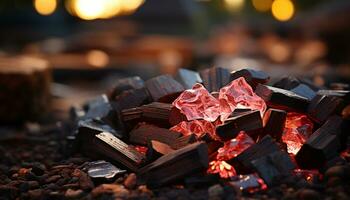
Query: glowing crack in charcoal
x=235, y=146
x=297, y=130
x=222, y=168
x=308, y=175
x=141, y=149
x=239, y=94
x=250, y=183
x=197, y=127
x=198, y=103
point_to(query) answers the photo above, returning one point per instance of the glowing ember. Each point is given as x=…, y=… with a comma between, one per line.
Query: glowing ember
x=235, y=146
x=297, y=130
x=222, y=168
x=239, y=94
x=197, y=127
x=308, y=175
x=198, y=103
x=141, y=149
x=249, y=183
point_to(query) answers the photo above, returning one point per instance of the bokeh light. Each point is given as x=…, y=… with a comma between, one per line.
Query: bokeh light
x=282, y=10
x=262, y=5
x=234, y=5
x=97, y=58
x=45, y=7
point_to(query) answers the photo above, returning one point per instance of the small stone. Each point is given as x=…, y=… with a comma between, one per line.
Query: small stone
x=38, y=169
x=73, y=194
x=35, y=194
x=130, y=181
x=341, y=171
x=216, y=191
x=84, y=180
x=334, y=181
x=308, y=194
x=53, y=178
x=115, y=189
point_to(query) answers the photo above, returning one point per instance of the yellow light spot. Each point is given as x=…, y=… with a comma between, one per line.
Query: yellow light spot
x=97, y=58
x=88, y=9
x=234, y=5
x=45, y=7
x=130, y=6
x=262, y=5
x=282, y=10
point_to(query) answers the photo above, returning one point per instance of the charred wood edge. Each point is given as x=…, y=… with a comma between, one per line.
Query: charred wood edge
x=183, y=141
x=164, y=88
x=215, y=78
x=253, y=77
x=245, y=121
x=123, y=84
x=274, y=123
x=176, y=116
x=322, y=145
x=282, y=99
x=274, y=165
x=243, y=162
x=188, y=78
x=322, y=107
x=176, y=165
x=144, y=133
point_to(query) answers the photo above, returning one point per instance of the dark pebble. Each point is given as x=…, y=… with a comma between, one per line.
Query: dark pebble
x=308, y=194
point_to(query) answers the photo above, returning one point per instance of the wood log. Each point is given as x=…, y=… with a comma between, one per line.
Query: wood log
x=176, y=165
x=24, y=89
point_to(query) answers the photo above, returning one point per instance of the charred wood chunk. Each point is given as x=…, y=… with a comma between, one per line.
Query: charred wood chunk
x=343, y=94
x=273, y=166
x=157, y=149
x=243, y=162
x=124, y=84
x=176, y=116
x=304, y=91
x=215, y=78
x=245, y=121
x=131, y=117
x=105, y=145
x=76, y=113
x=157, y=113
x=253, y=77
x=101, y=109
x=164, y=88
x=144, y=133
x=282, y=99
x=291, y=82
x=322, y=106
x=202, y=180
x=176, y=165
x=274, y=122
x=131, y=99
x=188, y=78
x=93, y=127
x=322, y=145
x=183, y=141
x=24, y=89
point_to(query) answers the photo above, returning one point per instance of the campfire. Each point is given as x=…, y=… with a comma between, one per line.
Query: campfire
x=213, y=123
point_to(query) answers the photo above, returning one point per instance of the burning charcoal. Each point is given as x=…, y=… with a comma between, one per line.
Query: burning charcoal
x=124, y=84
x=164, y=88
x=108, y=146
x=183, y=141
x=253, y=77
x=24, y=88
x=196, y=127
x=321, y=107
x=103, y=170
x=131, y=99
x=176, y=165
x=246, y=121
x=91, y=126
x=243, y=162
x=304, y=91
x=222, y=168
x=322, y=145
x=215, y=78
x=188, y=78
x=157, y=149
x=249, y=183
x=343, y=94
x=273, y=166
x=234, y=147
x=145, y=133
x=281, y=99
x=274, y=123
x=176, y=117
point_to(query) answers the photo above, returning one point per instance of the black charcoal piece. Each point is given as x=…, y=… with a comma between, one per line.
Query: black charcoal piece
x=157, y=113
x=282, y=99
x=188, y=78
x=304, y=91
x=164, y=88
x=247, y=182
x=103, y=170
x=175, y=116
x=102, y=110
x=131, y=117
x=124, y=84
x=215, y=78
x=131, y=99
x=245, y=121
x=273, y=166
x=157, y=149
x=144, y=133
x=274, y=122
x=322, y=107
x=291, y=82
x=176, y=165
x=343, y=94
x=92, y=126
x=253, y=77
x=183, y=141
x=243, y=162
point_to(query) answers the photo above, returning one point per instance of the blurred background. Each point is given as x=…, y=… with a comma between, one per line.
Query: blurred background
x=91, y=43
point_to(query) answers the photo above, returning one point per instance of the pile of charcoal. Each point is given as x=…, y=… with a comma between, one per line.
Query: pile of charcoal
x=209, y=134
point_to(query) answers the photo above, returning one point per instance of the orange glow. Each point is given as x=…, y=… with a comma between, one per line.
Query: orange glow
x=282, y=10
x=97, y=58
x=45, y=7
x=262, y=5
x=222, y=168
